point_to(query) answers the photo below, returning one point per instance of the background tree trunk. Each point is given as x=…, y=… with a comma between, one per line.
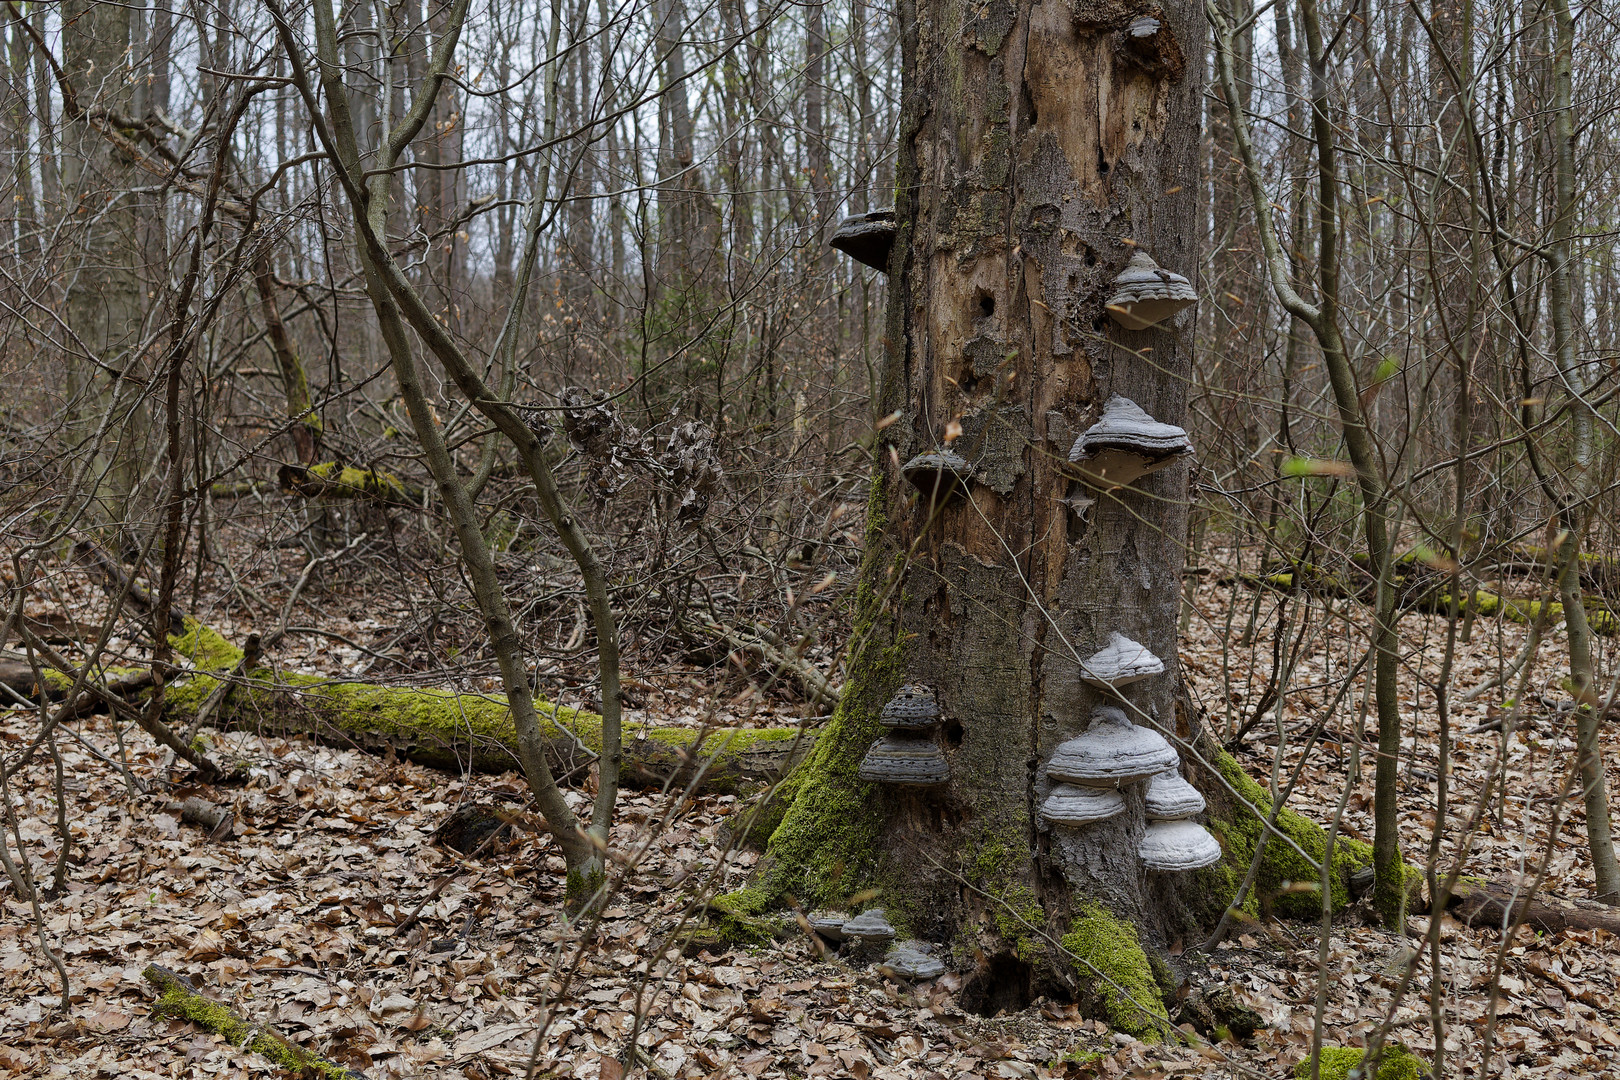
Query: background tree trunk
x=1042, y=145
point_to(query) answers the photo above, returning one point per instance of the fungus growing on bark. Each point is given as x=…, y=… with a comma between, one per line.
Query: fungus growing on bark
x=867, y=238
x=939, y=474
x=913, y=708
x=910, y=960
x=1120, y=663
x=1072, y=805
x=1178, y=845
x=1146, y=294
x=1169, y=797
x=829, y=924
x=1112, y=752
x=870, y=928
x=1124, y=445
x=897, y=759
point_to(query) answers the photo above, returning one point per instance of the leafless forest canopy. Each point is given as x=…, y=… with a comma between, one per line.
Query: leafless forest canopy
x=498, y=348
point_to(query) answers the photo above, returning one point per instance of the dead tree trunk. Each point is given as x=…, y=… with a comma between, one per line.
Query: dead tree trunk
x=1042, y=147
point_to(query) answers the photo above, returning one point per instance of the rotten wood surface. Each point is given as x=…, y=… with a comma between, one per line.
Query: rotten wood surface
x=1498, y=905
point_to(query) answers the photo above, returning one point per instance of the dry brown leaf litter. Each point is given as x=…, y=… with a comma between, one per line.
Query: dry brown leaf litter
x=291, y=920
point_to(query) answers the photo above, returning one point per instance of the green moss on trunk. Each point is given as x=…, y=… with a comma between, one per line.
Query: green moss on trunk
x=1123, y=976
x=825, y=848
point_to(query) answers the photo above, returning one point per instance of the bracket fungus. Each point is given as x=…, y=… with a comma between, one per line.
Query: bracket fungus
x=867, y=238
x=871, y=928
x=913, y=708
x=1170, y=798
x=829, y=924
x=1072, y=805
x=1146, y=294
x=1112, y=752
x=1124, y=445
x=939, y=474
x=1178, y=845
x=1121, y=662
x=910, y=960
x=897, y=759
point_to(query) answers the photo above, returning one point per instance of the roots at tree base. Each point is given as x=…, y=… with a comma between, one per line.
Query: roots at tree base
x=825, y=849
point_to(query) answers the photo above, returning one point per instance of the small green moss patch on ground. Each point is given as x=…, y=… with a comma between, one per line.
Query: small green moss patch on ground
x=730, y=919
x=1338, y=1062
x=1114, y=959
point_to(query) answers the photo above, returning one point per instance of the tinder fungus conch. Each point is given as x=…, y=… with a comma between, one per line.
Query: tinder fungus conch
x=1170, y=798
x=1112, y=752
x=870, y=928
x=1146, y=294
x=1178, y=845
x=910, y=960
x=1124, y=445
x=1070, y=805
x=897, y=759
x=1120, y=663
x=939, y=474
x=867, y=238
x=913, y=708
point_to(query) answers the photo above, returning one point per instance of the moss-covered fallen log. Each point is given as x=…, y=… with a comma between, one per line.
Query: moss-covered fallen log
x=179, y=1000
x=447, y=729
x=330, y=480
x=1435, y=600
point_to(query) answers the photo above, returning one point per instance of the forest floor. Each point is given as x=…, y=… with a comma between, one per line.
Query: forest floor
x=291, y=917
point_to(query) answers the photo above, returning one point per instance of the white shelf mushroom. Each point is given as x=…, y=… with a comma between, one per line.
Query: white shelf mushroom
x=910, y=960
x=1121, y=662
x=1146, y=294
x=870, y=930
x=1124, y=445
x=913, y=708
x=1112, y=752
x=939, y=474
x=1178, y=845
x=1169, y=797
x=909, y=761
x=1072, y=805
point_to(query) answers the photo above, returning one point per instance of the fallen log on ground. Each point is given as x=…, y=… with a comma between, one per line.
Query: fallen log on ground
x=329, y=480
x=181, y=1001
x=1601, y=616
x=443, y=728
x=451, y=730
x=1495, y=906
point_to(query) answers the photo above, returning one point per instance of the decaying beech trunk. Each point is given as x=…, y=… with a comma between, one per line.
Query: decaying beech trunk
x=1043, y=145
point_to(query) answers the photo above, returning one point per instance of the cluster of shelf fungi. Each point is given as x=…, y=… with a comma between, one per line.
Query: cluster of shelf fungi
x=1090, y=774
x=1125, y=444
